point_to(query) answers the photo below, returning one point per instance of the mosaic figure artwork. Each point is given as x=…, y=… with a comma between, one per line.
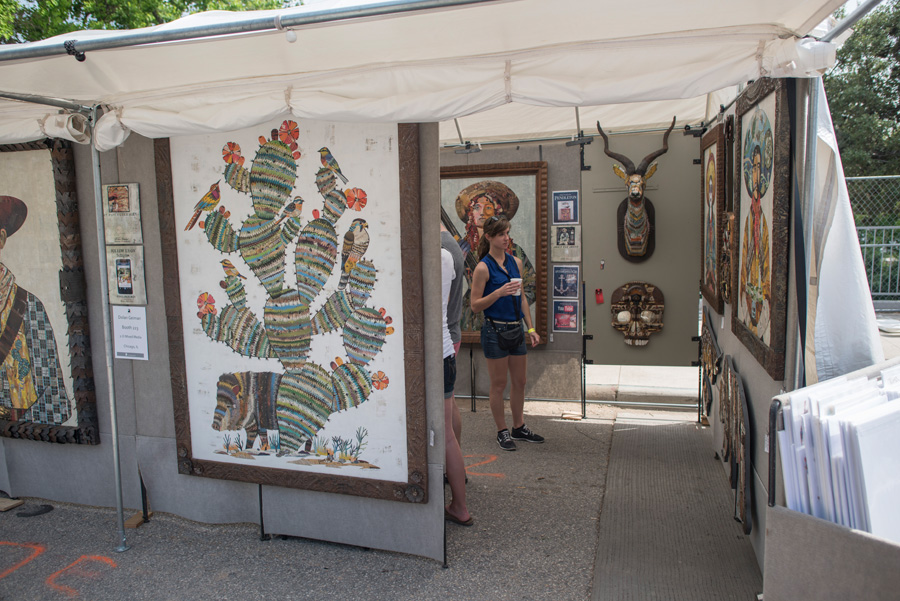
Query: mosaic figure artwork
x=299, y=271
x=46, y=380
x=762, y=198
x=636, y=216
x=710, y=359
x=469, y=196
x=737, y=441
x=712, y=186
x=637, y=311
x=725, y=258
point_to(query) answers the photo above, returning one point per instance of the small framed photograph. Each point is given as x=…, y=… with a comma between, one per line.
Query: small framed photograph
x=565, y=281
x=565, y=207
x=565, y=243
x=565, y=316
x=122, y=214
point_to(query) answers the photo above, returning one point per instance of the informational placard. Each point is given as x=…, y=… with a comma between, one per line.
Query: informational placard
x=565, y=316
x=125, y=266
x=130, y=333
x=565, y=243
x=565, y=207
x=122, y=214
x=565, y=281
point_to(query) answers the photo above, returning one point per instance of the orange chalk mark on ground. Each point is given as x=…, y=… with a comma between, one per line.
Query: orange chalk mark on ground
x=80, y=571
x=487, y=459
x=36, y=550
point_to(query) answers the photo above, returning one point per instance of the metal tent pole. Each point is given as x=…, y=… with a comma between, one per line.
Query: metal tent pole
x=107, y=337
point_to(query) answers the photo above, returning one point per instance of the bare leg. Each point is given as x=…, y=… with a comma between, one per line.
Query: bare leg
x=497, y=371
x=518, y=367
x=456, y=468
x=457, y=422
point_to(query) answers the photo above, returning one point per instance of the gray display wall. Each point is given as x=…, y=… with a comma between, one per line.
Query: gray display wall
x=553, y=366
x=84, y=474
x=674, y=266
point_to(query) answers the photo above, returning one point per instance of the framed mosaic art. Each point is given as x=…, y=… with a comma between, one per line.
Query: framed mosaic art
x=46, y=374
x=472, y=193
x=294, y=306
x=712, y=186
x=762, y=222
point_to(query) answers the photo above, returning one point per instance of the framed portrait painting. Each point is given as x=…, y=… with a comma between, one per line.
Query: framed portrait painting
x=294, y=305
x=762, y=222
x=471, y=194
x=46, y=375
x=712, y=187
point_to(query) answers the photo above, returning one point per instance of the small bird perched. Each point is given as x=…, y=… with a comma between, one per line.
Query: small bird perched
x=329, y=162
x=207, y=203
x=293, y=209
x=230, y=269
x=356, y=241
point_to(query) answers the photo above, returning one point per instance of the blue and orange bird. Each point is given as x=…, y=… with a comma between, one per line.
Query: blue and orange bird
x=230, y=269
x=356, y=241
x=329, y=162
x=207, y=203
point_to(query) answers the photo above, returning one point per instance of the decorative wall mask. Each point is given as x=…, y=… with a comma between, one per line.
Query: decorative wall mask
x=636, y=217
x=637, y=311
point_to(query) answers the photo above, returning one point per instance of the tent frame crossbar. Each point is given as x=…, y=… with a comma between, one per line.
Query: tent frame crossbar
x=279, y=22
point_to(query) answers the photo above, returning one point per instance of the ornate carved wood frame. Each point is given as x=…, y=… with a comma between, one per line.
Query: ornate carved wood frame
x=538, y=171
x=772, y=355
x=72, y=291
x=415, y=488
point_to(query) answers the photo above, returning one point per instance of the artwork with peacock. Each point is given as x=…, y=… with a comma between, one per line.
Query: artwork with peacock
x=291, y=297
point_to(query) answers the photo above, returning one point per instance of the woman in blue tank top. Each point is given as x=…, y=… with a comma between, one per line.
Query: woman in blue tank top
x=504, y=307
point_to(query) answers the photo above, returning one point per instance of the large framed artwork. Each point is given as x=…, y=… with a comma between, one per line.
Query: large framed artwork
x=46, y=376
x=294, y=305
x=762, y=222
x=469, y=195
x=712, y=186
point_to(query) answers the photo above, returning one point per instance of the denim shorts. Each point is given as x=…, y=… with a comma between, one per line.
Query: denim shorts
x=489, y=343
x=449, y=375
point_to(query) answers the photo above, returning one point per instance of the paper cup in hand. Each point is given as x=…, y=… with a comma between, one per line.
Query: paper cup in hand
x=519, y=282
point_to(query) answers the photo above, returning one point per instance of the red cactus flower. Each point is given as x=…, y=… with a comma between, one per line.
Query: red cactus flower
x=356, y=198
x=288, y=132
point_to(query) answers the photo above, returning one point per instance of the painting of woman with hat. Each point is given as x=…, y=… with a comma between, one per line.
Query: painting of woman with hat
x=32, y=387
x=475, y=204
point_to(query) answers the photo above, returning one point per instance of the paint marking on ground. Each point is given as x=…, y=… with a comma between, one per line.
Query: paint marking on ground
x=36, y=550
x=487, y=459
x=79, y=568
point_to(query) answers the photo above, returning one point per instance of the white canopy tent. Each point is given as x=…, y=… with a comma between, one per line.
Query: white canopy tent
x=435, y=64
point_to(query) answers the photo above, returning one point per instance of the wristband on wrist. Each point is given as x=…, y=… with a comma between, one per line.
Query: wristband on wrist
x=530, y=330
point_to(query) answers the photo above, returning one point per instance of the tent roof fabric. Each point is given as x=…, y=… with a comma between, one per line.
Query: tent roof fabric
x=430, y=65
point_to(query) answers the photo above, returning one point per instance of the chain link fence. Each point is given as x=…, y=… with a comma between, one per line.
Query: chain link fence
x=876, y=210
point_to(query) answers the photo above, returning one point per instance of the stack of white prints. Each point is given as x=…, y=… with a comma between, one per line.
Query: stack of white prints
x=840, y=452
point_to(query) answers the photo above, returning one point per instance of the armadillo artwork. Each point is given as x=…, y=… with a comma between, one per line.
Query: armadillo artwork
x=289, y=253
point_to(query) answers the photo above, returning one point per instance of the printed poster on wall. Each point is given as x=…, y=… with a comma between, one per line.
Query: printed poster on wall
x=565, y=316
x=125, y=271
x=565, y=243
x=565, y=207
x=565, y=281
x=122, y=214
x=292, y=301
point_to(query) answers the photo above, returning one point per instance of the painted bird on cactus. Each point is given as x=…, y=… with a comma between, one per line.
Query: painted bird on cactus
x=329, y=162
x=207, y=203
x=230, y=269
x=356, y=241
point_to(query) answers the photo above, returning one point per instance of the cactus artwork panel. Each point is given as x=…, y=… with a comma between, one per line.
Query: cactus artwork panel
x=292, y=301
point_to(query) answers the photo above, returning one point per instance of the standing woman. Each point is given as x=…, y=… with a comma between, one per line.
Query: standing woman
x=504, y=307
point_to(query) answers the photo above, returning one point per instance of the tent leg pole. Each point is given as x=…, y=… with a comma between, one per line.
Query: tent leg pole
x=107, y=336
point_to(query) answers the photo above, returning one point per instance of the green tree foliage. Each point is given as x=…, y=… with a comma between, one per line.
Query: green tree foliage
x=864, y=94
x=32, y=20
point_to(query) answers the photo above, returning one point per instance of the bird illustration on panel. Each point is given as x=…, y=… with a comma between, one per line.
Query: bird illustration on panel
x=329, y=162
x=205, y=204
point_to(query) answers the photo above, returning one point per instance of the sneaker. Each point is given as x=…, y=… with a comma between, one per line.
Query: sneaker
x=524, y=433
x=504, y=440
